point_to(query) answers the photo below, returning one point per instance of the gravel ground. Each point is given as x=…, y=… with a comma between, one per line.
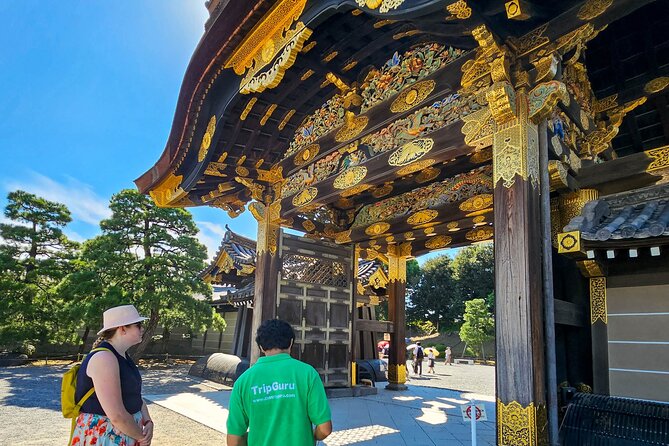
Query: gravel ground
x=30, y=396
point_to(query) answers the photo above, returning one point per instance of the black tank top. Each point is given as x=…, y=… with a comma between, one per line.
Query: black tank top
x=131, y=384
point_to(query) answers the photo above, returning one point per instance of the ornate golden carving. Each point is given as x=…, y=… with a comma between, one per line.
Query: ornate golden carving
x=343, y=237
x=421, y=217
x=571, y=204
x=409, y=236
x=558, y=175
x=415, y=167
x=330, y=56
x=247, y=109
x=438, y=242
x=590, y=268
x=397, y=373
x=286, y=44
x=475, y=70
x=382, y=191
x=305, y=196
x=459, y=10
x=598, y=300
x=352, y=127
x=412, y=96
x=529, y=42
x=383, y=5
x=502, y=102
x=593, y=8
x=307, y=74
x=605, y=104
x=257, y=209
x=656, y=85
x=377, y=228
x=273, y=175
x=518, y=425
x=309, y=46
x=168, y=191
x=452, y=226
x=427, y=174
x=350, y=177
x=516, y=149
x=660, y=158
x=481, y=156
x=242, y=171
x=479, y=234
x=206, y=139
x=546, y=68
x=569, y=242
x=478, y=128
x=355, y=190
x=308, y=225
x=306, y=155
x=476, y=203
x=429, y=231
x=349, y=66
x=410, y=152
x=286, y=118
x=544, y=97
x=215, y=169
x=268, y=114
x=479, y=219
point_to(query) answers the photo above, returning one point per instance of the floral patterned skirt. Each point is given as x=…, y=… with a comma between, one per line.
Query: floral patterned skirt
x=93, y=429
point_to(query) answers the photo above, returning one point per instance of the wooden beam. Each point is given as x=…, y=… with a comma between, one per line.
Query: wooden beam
x=374, y=326
x=567, y=313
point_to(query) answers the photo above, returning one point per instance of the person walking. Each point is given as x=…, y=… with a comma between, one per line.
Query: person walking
x=418, y=355
x=115, y=413
x=430, y=360
x=279, y=399
x=448, y=356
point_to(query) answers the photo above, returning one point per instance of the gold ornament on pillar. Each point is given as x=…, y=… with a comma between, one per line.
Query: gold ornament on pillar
x=520, y=426
x=598, y=300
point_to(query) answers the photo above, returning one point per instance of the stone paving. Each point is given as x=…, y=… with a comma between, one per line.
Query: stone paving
x=426, y=414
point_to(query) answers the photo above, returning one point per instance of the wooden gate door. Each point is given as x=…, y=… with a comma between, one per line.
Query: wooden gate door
x=316, y=297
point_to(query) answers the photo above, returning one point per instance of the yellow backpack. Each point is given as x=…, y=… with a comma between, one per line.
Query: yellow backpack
x=68, y=405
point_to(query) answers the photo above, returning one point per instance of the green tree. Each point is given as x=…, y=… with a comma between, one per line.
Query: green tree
x=479, y=326
x=150, y=257
x=435, y=298
x=474, y=269
x=34, y=256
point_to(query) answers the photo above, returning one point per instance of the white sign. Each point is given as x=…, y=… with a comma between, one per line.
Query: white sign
x=480, y=412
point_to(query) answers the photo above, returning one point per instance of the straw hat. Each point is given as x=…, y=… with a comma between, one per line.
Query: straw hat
x=120, y=316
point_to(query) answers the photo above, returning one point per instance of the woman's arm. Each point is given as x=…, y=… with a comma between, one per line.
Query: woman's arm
x=103, y=370
x=147, y=426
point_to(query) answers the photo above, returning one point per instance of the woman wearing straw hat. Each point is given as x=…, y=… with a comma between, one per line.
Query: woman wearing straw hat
x=115, y=414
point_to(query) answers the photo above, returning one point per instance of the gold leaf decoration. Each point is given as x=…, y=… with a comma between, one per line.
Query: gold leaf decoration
x=377, y=228
x=412, y=96
x=382, y=191
x=428, y=174
x=306, y=155
x=352, y=128
x=286, y=118
x=268, y=114
x=440, y=241
x=459, y=10
x=517, y=425
x=476, y=203
x=660, y=158
x=421, y=217
x=308, y=225
x=343, y=237
x=598, y=300
x=481, y=156
x=452, y=226
x=355, y=190
x=410, y=152
x=247, y=109
x=415, y=167
x=479, y=234
x=305, y=196
x=206, y=139
x=593, y=8
x=656, y=85
x=350, y=177
x=479, y=219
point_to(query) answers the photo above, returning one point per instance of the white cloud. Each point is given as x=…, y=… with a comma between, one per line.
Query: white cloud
x=84, y=204
x=210, y=235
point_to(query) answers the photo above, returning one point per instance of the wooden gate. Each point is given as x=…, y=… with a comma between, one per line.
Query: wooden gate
x=316, y=297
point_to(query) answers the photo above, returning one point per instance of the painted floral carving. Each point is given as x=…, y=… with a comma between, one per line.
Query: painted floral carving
x=323, y=120
x=433, y=196
x=400, y=71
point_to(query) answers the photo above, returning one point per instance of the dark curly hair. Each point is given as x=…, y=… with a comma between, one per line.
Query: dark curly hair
x=274, y=333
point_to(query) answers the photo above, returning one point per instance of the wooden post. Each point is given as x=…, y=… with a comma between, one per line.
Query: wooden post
x=397, y=275
x=521, y=401
x=600, y=336
x=266, y=273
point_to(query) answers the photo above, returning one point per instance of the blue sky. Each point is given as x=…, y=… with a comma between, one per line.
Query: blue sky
x=88, y=95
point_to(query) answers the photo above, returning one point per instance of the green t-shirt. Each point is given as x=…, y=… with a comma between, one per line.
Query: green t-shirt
x=278, y=400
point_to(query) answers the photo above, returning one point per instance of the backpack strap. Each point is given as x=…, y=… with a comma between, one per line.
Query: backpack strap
x=86, y=396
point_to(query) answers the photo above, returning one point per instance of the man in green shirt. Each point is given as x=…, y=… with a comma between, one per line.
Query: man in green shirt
x=279, y=399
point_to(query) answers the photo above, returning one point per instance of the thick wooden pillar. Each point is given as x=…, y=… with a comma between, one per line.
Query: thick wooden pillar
x=397, y=275
x=266, y=273
x=600, y=336
x=521, y=400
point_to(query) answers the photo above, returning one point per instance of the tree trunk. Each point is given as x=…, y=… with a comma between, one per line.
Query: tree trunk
x=148, y=334
x=82, y=346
